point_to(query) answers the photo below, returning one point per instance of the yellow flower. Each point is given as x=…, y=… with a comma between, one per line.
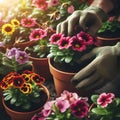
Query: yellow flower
x=8, y=29
x=15, y=22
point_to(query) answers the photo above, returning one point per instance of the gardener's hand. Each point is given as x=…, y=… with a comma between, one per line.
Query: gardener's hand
x=88, y=20
x=103, y=68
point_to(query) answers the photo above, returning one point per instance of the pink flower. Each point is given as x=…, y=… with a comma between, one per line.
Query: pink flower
x=53, y=3
x=70, y=96
x=55, y=38
x=28, y=22
x=77, y=44
x=64, y=43
x=41, y=4
x=111, y=19
x=71, y=9
x=79, y=108
x=37, y=34
x=47, y=108
x=105, y=99
x=62, y=105
x=88, y=40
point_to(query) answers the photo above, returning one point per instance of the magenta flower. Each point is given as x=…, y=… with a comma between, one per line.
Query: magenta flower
x=1, y=44
x=11, y=53
x=41, y=4
x=39, y=116
x=21, y=57
x=88, y=39
x=64, y=43
x=77, y=44
x=54, y=39
x=79, y=108
x=62, y=105
x=37, y=34
x=105, y=99
x=28, y=22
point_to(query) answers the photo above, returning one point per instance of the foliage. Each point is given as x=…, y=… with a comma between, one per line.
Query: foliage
x=112, y=24
x=69, y=106
x=22, y=90
x=13, y=60
x=70, y=49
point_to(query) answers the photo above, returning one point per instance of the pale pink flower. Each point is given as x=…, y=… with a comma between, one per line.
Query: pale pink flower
x=62, y=105
x=105, y=99
x=53, y=3
x=71, y=9
x=41, y=4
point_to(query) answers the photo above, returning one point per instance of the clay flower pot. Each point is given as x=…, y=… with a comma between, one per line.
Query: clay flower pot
x=16, y=115
x=62, y=80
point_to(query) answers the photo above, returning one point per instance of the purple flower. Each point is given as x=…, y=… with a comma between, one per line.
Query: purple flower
x=64, y=43
x=77, y=44
x=11, y=53
x=62, y=105
x=21, y=57
x=1, y=44
x=79, y=108
x=105, y=99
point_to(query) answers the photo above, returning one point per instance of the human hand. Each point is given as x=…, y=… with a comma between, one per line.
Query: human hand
x=103, y=68
x=88, y=20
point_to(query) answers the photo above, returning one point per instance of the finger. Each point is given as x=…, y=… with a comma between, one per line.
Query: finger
x=89, y=81
x=64, y=27
x=97, y=85
x=72, y=23
x=58, y=28
x=85, y=72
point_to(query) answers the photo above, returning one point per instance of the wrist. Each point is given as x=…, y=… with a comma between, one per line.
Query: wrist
x=99, y=12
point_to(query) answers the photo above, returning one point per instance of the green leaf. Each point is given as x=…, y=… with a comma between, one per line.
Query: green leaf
x=94, y=98
x=68, y=59
x=100, y=111
x=8, y=97
x=13, y=100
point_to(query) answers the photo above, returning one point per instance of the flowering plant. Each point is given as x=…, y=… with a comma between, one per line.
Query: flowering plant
x=70, y=106
x=70, y=49
x=22, y=90
x=112, y=25
x=13, y=60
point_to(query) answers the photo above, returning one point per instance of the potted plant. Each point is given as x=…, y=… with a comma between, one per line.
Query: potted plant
x=64, y=54
x=70, y=106
x=39, y=50
x=109, y=33
x=23, y=94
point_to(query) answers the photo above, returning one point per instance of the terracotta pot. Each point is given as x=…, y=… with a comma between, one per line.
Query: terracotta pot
x=108, y=41
x=15, y=115
x=62, y=81
x=41, y=67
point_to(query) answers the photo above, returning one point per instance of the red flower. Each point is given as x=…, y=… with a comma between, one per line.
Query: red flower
x=37, y=78
x=79, y=108
x=18, y=81
x=104, y=99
